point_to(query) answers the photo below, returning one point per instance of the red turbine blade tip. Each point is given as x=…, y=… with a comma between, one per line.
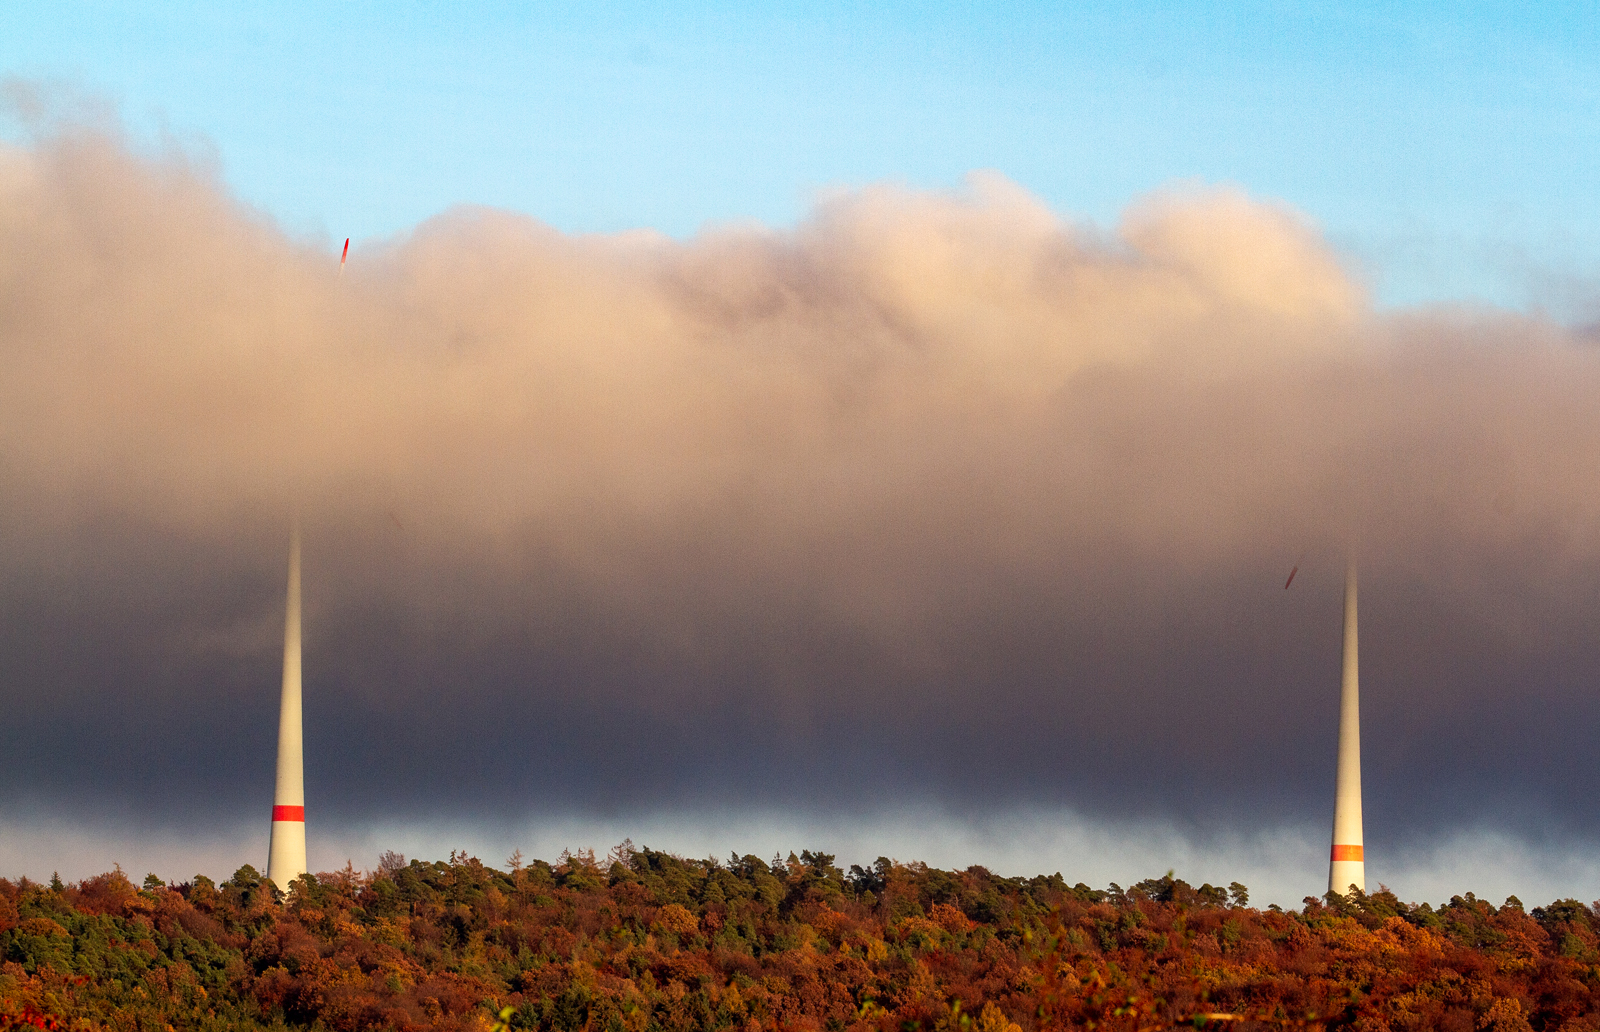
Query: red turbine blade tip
x=1291, y=578
x=346, y=253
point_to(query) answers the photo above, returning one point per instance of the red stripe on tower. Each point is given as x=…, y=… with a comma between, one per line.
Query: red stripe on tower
x=298, y=813
x=1347, y=853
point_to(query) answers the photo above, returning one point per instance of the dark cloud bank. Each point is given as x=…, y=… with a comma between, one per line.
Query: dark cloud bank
x=932, y=498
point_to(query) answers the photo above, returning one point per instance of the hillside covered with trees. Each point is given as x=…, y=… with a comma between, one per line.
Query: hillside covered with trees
x=642, y=940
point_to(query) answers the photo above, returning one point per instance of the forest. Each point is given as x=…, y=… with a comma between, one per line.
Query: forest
x=641, y=940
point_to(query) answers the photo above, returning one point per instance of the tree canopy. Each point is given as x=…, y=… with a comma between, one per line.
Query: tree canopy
x=643, y=940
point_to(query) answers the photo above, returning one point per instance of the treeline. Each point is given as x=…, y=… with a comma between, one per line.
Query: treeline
x=644, y=940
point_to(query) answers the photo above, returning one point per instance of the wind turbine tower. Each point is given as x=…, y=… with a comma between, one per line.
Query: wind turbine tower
x=286, y=860
x=1346, y=865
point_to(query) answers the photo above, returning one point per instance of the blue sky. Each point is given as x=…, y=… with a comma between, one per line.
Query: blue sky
x=810, y=602
x=1450, y=149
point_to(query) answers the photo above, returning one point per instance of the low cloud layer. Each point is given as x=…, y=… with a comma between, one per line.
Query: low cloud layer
x=1279, y=865
x=935, y=499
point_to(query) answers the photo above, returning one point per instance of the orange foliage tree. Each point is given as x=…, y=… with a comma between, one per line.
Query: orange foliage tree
x=643, y=940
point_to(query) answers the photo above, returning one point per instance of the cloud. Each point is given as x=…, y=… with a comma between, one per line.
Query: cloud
x=1279, y=865
x=935, y=499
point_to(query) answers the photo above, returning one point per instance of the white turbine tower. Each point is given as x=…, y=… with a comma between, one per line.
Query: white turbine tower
x=1346, y=864
x=286, y=860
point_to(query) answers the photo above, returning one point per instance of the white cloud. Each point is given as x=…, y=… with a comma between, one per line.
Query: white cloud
x=1279, y=865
